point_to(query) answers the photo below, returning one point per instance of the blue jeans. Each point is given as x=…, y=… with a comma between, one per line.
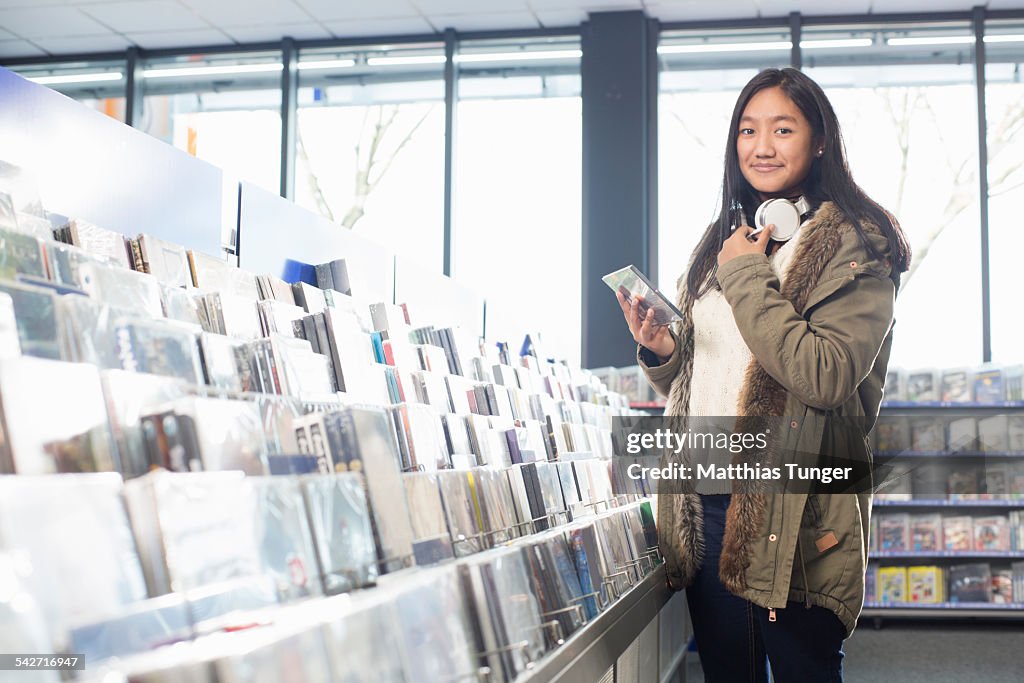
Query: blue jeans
x=736, y=641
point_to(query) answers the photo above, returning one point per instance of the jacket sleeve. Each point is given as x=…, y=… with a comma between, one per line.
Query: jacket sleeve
x=660, y=376
x=822, y=359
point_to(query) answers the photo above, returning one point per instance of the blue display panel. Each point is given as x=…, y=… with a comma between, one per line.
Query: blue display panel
x=89, y=166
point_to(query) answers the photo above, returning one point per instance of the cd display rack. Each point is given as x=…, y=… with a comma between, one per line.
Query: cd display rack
x=947, y=540
x=251, y=470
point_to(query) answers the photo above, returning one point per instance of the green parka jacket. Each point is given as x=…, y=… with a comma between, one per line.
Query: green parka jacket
x=820, y=344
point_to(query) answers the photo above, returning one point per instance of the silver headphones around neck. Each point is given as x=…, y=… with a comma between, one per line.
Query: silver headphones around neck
x=785, y=214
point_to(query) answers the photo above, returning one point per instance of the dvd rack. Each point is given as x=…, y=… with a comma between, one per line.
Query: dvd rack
x=243, y=503
x=947, y=536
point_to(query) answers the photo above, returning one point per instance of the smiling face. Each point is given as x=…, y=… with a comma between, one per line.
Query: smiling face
x=775, y=145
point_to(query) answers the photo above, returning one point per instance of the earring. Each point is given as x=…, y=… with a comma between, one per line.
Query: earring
x=820, y=151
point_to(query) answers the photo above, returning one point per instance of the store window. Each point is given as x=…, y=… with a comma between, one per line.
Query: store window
x=700, y=77
x=224, y=109
x=370, y=144
x=517, y=235
x=1004, y=100
x=99, y=85
x=906, y=104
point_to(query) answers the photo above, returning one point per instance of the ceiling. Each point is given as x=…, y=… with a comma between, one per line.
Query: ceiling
x=53, y=27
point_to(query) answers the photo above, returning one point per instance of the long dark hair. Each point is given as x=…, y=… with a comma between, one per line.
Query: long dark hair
x=828, y=179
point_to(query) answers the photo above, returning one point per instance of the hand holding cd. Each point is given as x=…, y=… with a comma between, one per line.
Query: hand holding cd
x=640, y=319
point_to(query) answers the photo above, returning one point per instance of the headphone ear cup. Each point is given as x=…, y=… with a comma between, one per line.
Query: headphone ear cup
x=783, y=213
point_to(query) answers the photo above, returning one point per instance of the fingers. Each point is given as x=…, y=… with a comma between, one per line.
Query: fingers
x=623, y=304
x=765, y=235
x=647, y=329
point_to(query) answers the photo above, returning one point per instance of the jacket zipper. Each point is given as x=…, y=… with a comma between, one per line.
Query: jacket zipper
x=803, y=570
x=771, y=614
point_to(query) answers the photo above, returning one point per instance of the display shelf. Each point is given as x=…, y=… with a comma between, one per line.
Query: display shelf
x=946, y=554
x=889, y=405
x=647, y=405
x=589, y=652
x=948, y=610
x=949, y=454
x=949, y=503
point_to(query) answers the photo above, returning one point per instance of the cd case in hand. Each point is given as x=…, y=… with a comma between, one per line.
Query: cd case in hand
x=631, y=282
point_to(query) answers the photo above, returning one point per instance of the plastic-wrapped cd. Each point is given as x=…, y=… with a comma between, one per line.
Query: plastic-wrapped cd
x=193, y=530
x=225, y=362
x=591, y=567
x=20, y=254
x=435, y=636
x=78, y=528
x=458, y=505
x=269, y=654
x=166, y=261
x=10, y=344
x=158, y=347
x=555, y=598
x=179, y=305
x=431, y=541
x=611, y=535
x=228, y=434
x=342, y=531
x=276, y=316
x=351, y=351
x=122, y=288
x=214, y=274
x=286, y=542
x=35, y=311
x=87, y=330
x=566, y=578
x=362, y=641
x=65, y=262
x=508, y=618
x=22, y=624
x=129, y=396
x=33, y=393
x=106, y=244
x=8, y=217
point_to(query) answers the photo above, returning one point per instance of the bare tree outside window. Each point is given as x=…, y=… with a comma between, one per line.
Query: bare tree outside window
x=385, y=132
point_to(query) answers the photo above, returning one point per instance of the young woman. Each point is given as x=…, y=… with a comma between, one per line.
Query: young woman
x=801, y=329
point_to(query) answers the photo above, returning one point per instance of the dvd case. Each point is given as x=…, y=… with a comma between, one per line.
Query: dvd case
x=892, y=585
x=923, y=385
x=970, y=583
x=926, y=533
x=958, y=533
x=925, y=585
x=956, y=386
x=992, y=532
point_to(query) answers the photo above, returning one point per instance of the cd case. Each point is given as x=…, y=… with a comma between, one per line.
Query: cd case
x=630, y=282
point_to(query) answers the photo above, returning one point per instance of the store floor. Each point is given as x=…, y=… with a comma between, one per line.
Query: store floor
x=912, y=652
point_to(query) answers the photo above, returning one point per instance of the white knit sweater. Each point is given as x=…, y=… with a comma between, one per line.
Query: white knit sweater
x=720, y=356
